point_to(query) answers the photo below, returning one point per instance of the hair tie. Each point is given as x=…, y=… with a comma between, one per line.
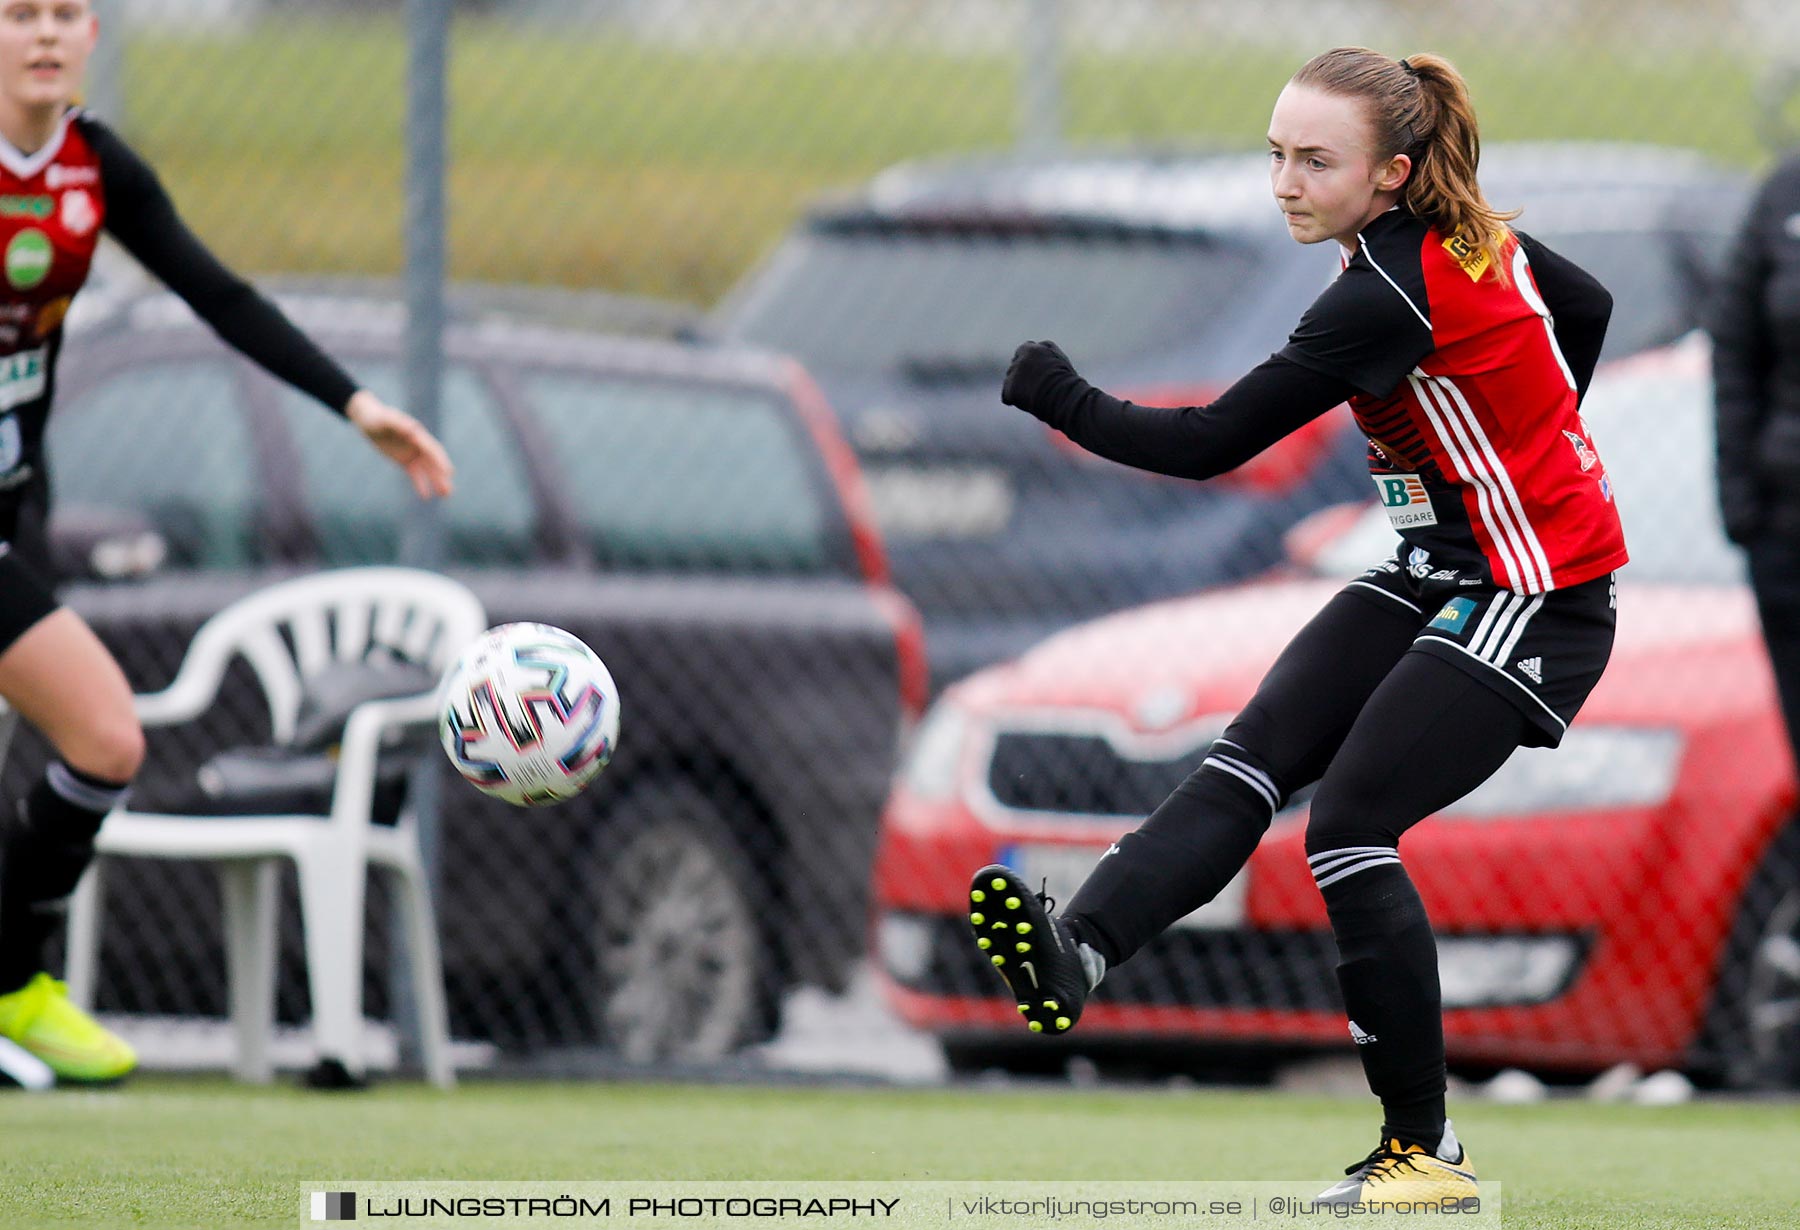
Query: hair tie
x=1406, y=66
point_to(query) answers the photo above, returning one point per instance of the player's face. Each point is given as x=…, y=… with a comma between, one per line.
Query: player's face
x=44, y=49
x=1326, y=177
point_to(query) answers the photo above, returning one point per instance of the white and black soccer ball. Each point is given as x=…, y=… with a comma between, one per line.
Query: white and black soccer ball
x=528, y=714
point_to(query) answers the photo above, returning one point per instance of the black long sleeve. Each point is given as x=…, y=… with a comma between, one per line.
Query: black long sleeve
x=1743, y=359
x=141, y=216
x=1274, y=399
x=1580, y=308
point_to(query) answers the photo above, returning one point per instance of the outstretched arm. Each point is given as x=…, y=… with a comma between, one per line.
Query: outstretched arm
x=143, y=218
x=1275, y=399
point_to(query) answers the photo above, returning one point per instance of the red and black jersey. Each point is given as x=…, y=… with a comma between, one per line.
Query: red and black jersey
x=1467, y=386
x=1470, y=406
x=54, y=202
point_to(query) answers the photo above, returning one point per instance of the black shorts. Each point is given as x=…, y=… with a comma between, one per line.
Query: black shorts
x=25, y=597
x=1543, y=652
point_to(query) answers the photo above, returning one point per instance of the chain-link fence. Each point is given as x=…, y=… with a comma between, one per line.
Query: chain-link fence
x=895, y=192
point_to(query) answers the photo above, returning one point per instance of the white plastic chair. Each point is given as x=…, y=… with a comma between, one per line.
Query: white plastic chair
x=328, y=618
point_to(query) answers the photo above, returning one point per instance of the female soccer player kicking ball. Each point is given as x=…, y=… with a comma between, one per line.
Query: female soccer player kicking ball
x=67, y=177
x=1463, y=348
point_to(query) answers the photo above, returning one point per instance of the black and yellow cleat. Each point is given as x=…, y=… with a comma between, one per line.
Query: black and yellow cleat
x=1399, y=1173
x=1029, y=948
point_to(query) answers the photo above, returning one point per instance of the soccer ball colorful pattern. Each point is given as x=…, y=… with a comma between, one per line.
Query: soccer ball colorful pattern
x=529, y=714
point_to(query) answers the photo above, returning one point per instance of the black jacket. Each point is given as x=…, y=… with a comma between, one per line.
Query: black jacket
x=1755, y=325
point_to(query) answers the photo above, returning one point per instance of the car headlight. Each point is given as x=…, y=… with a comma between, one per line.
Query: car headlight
x=930, y=767
x=1596, y=766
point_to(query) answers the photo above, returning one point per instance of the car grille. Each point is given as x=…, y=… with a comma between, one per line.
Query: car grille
x=1083, y=774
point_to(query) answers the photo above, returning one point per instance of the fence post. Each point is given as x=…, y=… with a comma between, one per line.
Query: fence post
x=1040, y=77
x=427, y=122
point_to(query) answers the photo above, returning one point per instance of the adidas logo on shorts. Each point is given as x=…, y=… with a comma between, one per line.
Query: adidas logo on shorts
x=1531, y=668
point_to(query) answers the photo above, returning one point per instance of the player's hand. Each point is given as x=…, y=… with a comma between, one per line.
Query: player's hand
x=1034, y=366
x=405, y=442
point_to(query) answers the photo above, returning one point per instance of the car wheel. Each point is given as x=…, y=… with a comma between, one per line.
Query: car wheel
x=682, y=964
x=1753, y=1029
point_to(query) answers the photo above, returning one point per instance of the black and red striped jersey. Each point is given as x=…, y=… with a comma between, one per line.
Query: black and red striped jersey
x=54, y=203
x=1471, y=408
x=1467, y=385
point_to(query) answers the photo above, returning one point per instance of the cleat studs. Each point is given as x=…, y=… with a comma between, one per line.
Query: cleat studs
x=1022, y=946
x=1036, y=1027
x=977, y=896
x=1024, y=1008
x=1023, y=928
x=998, y=959
x=1063, y=1022
x=1012, y=903
x=1052, y=1005
x=997, y=884
x=978, y=919
x=999, y=926
x=984, y=942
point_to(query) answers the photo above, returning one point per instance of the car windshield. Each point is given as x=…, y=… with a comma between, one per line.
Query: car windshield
x=948, y=301
x=187, y=466
x=360, y=501
x=1653, y=428
x=669, y=475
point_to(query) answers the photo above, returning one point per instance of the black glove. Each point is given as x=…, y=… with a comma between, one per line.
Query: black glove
x=1035, y=367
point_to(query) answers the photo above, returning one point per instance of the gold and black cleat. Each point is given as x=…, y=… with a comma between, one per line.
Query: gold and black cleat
x=1401, y=1174
x=1029, y=947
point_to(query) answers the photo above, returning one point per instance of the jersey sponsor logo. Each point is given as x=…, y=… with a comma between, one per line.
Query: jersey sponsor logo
x=38, y=207
x=79, y=215
x=28, y=259
x=23, y=377
x=1583, y=453
x=60, y=176
x=1470, y=258
x=1455, y=615
x=1405, y=500
x=1418, y=562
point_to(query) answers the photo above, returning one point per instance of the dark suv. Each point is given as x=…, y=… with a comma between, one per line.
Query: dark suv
x=1165, y=276
x=694, y=515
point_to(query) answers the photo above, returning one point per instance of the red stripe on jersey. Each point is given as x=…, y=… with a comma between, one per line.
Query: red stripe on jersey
x=1496, y=409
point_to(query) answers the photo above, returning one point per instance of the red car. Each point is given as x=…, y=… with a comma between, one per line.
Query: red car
x=1633, y=896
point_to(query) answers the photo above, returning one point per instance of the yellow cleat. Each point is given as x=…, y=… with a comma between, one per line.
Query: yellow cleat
x=1398, y=1173
x=39, y=1017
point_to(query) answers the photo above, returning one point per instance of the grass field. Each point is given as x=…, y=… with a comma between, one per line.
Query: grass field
x=581, y=159
x=155, y=1152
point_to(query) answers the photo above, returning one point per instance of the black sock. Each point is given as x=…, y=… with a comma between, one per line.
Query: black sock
x=1387, y=968
x=41, y=861
x=1177, y=860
